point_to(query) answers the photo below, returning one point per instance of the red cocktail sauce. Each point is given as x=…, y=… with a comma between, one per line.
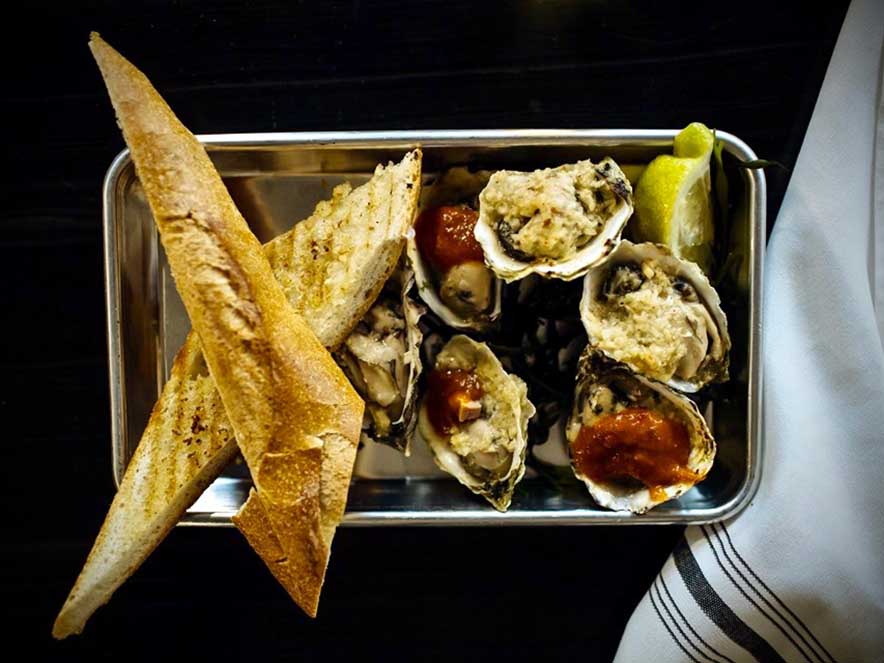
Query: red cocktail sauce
x=445, y=238
x=635, y=443
x=447, y=390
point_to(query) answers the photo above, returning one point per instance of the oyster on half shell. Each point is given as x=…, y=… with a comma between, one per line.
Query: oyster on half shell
x=634, y=442
x=381, y=358
x=556, y=222
x=474, y=417
x=659, y=315
x=449, y=264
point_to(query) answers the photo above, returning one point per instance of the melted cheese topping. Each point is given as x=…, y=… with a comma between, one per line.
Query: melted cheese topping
x=489, y=440
x=551, y=214
x=655, y=329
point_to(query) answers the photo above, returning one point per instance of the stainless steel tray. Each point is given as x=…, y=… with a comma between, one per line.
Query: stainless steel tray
x=276, y=179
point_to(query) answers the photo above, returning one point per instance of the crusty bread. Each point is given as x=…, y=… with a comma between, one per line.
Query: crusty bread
x=189, y=439
x=347, y=240
x=287, y=400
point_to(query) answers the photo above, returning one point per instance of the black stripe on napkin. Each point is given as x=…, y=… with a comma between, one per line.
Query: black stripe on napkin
x=675, y=623
x=669, y=630
x=742, y=590
x=778, y=600
x=662, y=580
x=716, y=609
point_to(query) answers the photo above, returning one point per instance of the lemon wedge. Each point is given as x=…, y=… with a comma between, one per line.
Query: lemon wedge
x=673, y=198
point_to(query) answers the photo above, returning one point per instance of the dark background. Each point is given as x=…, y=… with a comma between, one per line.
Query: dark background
x=750, y=68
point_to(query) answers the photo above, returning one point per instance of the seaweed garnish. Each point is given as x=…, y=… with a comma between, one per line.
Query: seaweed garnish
x=540, y=338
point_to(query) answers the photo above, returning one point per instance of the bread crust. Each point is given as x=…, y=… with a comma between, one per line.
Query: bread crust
x=286, y=398
x=280, y=387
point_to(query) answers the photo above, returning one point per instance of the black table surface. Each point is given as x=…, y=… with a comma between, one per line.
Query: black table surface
x=753, y=69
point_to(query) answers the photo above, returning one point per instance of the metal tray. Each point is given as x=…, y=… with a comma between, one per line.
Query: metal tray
x=277, y=179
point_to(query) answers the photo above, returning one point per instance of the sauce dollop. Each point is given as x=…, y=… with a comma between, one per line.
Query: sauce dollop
x=635, y=443
x=449, y=396
x=445, y=237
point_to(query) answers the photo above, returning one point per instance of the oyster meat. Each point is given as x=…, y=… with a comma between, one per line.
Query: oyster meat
x=556, y=222
x=659, y=315
x=634, y=442
x=449, y=264
x=381, y=357
x=474, y=417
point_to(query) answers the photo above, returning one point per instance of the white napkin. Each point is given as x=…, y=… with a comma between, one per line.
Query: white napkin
x=799, y=575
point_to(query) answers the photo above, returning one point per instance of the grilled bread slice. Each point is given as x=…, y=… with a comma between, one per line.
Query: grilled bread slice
x=355, y=238
x=187, y=443
x=189, y=438
x=291, y=407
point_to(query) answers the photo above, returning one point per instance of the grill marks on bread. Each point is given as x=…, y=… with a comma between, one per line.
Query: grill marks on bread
x=194, y=212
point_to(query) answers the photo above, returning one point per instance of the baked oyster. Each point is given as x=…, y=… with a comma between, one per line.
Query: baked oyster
x=381, y=357
x=474, y=418
x=659, y=315
x=448, y=262
x=556, y=222
x=634, y=442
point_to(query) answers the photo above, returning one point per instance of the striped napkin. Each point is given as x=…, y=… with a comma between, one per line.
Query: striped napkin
x=799, y=575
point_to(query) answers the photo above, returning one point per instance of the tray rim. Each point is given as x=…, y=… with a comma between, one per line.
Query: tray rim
x=757, y=209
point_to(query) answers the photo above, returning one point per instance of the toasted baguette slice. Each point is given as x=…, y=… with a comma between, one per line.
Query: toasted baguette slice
x=189, y=439
x=355, y=238
x=290, y=405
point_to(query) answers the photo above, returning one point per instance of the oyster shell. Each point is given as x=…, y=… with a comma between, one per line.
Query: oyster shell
x=607, y=389
x=556, y=222
x=381, y=358
x=659, y=315
x=474, y=417
x=465, y=296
